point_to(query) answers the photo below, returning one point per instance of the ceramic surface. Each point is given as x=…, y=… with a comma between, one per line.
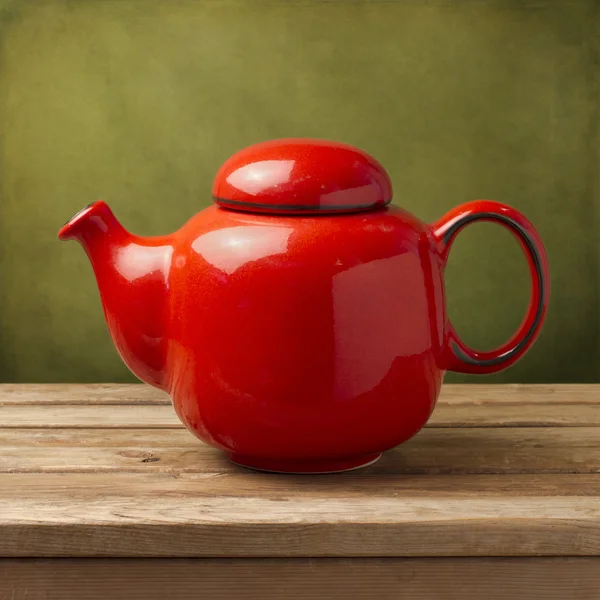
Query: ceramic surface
x=306, y=329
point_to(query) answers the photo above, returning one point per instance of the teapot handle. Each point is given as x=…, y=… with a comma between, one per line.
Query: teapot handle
x=457, y=356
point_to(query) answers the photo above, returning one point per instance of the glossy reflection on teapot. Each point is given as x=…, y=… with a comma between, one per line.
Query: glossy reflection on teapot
x=299, y=323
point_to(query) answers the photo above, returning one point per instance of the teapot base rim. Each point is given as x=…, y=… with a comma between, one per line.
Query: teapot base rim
x=304, y=467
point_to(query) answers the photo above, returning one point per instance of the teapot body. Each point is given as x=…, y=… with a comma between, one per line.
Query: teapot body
x=299, y=323
x=305, y=343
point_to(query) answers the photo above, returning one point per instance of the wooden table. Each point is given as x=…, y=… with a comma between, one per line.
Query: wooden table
x=104, y=495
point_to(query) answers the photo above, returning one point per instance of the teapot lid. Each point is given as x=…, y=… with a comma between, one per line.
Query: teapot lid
x=301, y=176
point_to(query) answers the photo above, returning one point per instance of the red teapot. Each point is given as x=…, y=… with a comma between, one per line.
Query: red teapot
x=299, y=323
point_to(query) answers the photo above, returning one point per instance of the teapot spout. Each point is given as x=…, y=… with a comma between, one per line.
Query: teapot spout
x=131, y=273
x=94, y=221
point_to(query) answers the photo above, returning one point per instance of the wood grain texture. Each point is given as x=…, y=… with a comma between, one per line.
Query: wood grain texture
x=455, y=394
x=153, y=486
x=301, y=579
x=67, y=393
x=261, y=515
x=108, y=471
x=432, y=451
x=44, y=416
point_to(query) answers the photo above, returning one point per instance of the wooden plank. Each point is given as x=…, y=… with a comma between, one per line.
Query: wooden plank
x=141, y=406
x=94, y=486
x=89, y=416
x=111, y=393
x=104, y=438
x=301, y=579
x=70, y=393
x=517, y=406
x=520, y=394
x=244, y=517
x=442, y=451
x=512, y=415
x=164, y=417
x=455, y=394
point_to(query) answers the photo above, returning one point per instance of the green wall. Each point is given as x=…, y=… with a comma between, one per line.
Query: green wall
x=138, y=102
